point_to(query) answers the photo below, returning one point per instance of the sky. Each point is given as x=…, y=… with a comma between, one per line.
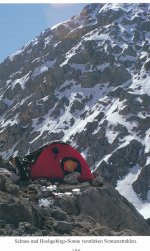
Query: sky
x=20, y=23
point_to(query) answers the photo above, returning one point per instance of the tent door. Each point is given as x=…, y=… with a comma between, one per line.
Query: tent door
x=69, y=165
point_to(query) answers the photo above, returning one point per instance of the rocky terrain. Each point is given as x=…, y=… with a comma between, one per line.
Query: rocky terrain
x=86, y=81
x=29, y=209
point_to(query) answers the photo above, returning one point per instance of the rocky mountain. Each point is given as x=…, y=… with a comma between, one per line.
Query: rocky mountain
x=99, y=210
x=86, y=81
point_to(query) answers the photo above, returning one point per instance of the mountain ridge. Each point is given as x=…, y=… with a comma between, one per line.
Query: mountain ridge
x=86, y=82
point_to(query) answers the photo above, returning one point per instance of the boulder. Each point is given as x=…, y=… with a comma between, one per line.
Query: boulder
x=98, y=181
x=63, y=227
x=6, y=183
x=110, y=209
x=72, y=178
x=59, y=215
x=14, y=210
x=67, y=204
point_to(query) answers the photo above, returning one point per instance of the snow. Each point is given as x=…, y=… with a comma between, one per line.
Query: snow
x=96, y=96
x=126, y=141
x=9, y=152
x=25, y=126
x=124, y=187
x=113, y=117
x=125, y=58
x=84, y=153
x=24, y=100
x=10, y=122
x=44, y=99
x=47, y=40
x=79, y=125
x=76, y=49
x=65, y=23
x=111, y=135
x=80, y=67
x=145, y=210
x=148, y=195
x=34, y=41
x=102, y=66
x=147, y=141
x=147, y=35
x=96, y=36
x=94, y=13
x=139, y=99
x=11, y=57
x=8, y=102
x=78, y=21
x=97, y=163
x=36, y=60
x=8, y=82
x=88, y=68
x=50, y=124
x=141, y=85
x=22, y=81
x=135, y=8
x=143, y=55
x=148, y=161
x=45, y=202
x=97, y=92
x=43, y=68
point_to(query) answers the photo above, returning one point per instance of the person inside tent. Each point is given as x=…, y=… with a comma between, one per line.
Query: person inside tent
x=68, y=164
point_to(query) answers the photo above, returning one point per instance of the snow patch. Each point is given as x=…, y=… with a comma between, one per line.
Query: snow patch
x=43, y=68
x=22, y=81
x=141, y=86
x=111, y=135
x=9, y=152
x=47, y=40
x=97, y=37
x=8, y=102
x=11, y=57
x=84, y=153
x=147, y=141
x=9, y=122
x=124, y=187
x=72, y=52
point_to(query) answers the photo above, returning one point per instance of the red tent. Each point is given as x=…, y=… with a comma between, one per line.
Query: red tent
x=57, y=160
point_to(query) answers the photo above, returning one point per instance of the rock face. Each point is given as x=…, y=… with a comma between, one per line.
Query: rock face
x=119, y=163
x=14, y=211
x=97, y=211
x=13, y=208
x=110, y=209
x=86, y=82
x=142, y=184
